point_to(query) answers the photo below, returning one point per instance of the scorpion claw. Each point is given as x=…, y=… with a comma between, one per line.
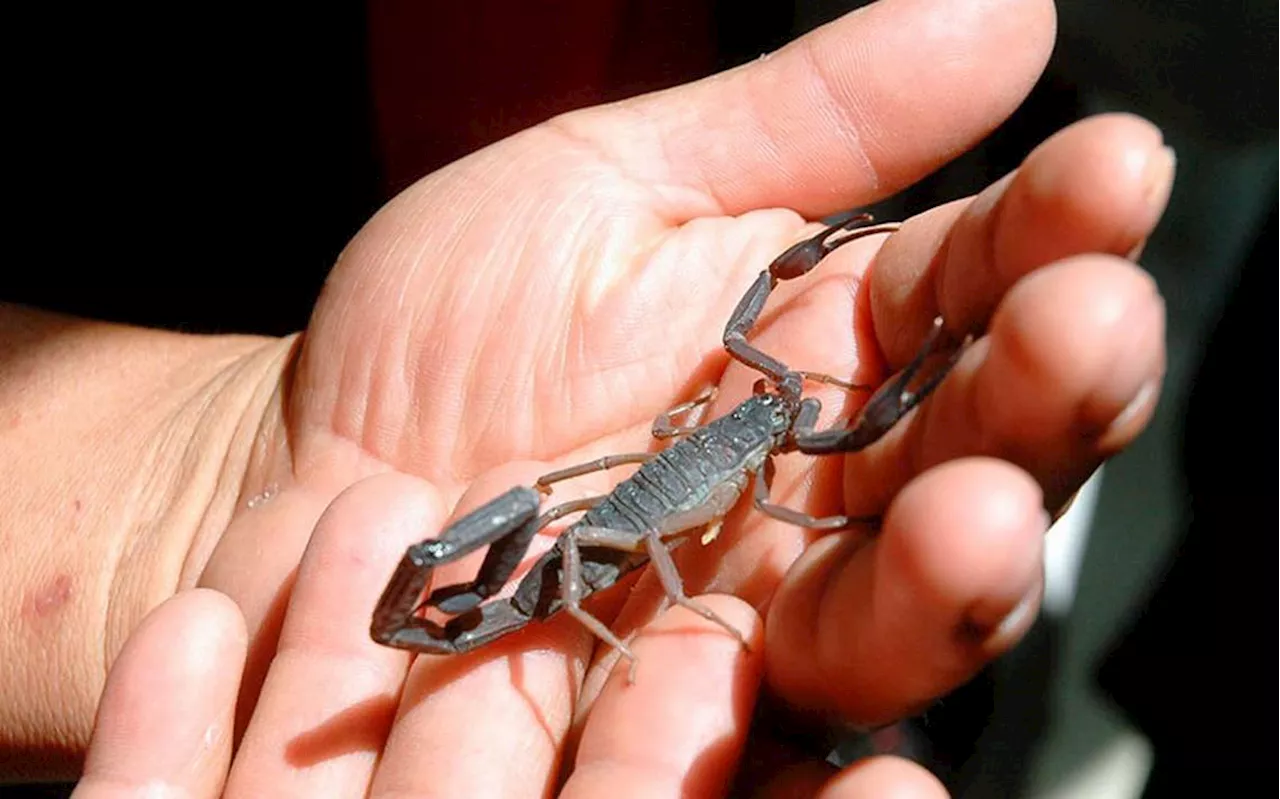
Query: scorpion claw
x=803, y=256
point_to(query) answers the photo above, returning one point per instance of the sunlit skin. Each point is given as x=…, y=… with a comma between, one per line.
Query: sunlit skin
x=538, y=303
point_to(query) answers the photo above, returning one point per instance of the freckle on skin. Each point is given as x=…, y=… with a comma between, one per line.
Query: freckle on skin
x=47, y=599
x=78, y=505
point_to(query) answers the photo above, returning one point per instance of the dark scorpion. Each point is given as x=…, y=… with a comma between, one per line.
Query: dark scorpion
x=690, y=485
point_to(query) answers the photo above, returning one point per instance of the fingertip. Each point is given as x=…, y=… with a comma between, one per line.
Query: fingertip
x=1110, y=172
x=1073, y=346
x=806, y=779
x=989, y=543
x=868, y=632
x=198, y=635
x=224, y=622
x=979, y=575
x=352, y=553
x=166, y=713
x=391, y=499
x=1068, y=373
x=884, y=777
x=1097, y=186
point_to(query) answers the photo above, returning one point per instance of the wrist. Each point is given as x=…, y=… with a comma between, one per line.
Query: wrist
x=216, y=448
x=122, y=451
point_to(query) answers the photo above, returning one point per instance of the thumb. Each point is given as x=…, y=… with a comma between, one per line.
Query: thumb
x=845, y=115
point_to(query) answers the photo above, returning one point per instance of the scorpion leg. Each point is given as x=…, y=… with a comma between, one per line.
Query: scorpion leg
x=795, y=261
x=573, y=588
x=544, y=482
x=665, y=427
x=819, y=377
x=764, y=481
x=673, y=585
x=892, y=401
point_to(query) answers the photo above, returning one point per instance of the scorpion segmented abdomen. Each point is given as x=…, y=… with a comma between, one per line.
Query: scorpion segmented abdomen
x=611, y=514
x=683, y=477
x=664, y=477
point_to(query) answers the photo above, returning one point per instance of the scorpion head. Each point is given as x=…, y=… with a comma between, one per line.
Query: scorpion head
x=773, y=410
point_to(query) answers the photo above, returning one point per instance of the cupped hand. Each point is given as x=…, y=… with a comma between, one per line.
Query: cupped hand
x=538, y=303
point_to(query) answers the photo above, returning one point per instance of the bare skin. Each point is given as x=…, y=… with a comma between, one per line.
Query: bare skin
x=290, y=475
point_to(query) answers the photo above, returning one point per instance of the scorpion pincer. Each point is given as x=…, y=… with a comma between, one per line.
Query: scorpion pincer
x=683, y=489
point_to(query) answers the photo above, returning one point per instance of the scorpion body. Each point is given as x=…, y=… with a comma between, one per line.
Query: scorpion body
x=687, y=487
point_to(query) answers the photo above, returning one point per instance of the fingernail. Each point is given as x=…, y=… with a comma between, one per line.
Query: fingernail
x=985, y=626
x=1134, y=413
x=1158, y=179
x=1136, y=252
x=1137, y=375
x=995, y=635
x=1157, y=186
x=1015, y=623
x=1120, y=404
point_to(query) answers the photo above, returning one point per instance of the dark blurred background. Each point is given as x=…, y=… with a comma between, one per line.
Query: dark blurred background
x=200, y=167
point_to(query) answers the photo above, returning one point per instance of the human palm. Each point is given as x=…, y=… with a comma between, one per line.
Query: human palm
x=538, y=303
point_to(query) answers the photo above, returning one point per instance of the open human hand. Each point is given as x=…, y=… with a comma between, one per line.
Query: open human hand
x=538, y=303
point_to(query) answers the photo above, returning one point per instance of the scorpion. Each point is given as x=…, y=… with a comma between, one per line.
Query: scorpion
x=689, y=486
